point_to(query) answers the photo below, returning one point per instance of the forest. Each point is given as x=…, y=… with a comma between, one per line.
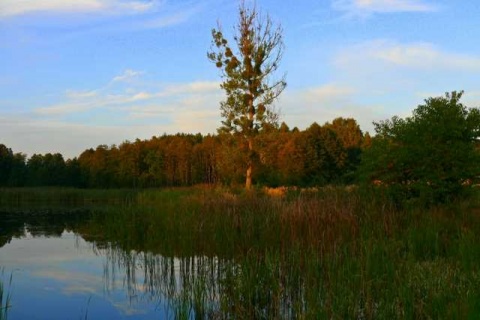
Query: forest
x=316, y=156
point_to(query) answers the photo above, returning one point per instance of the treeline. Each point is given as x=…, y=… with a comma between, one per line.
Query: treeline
x=318, y=155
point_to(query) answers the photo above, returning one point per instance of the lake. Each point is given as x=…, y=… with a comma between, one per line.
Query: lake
x=57, y=274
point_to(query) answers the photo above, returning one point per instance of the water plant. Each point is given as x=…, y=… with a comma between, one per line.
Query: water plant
x=5, y=295
x=325, y=253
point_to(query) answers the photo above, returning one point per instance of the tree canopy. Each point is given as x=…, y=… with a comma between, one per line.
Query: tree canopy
x=428, y=155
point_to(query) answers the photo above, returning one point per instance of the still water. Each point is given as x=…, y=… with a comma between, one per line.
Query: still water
x=57, y=274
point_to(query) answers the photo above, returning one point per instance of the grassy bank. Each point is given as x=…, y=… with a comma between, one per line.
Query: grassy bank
x=330, y=253
x=33, y=199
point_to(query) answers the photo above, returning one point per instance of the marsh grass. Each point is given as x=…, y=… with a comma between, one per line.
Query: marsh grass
x=5, y=295
x=326, y=254
x=34, y=199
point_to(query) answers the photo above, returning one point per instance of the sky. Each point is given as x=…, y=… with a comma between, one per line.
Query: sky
x=75, y=74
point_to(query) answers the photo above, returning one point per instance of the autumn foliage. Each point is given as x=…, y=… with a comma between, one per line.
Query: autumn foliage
x=315, y=156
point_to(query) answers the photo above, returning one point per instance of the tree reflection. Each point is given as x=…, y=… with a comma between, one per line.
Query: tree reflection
x=38, y=224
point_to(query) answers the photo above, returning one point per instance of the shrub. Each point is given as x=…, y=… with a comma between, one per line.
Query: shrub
x=427, y=156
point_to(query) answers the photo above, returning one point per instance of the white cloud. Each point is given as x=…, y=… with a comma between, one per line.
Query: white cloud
x=127, y=75
x=141, y=96
x=16, y=7
x=137, y=6
x=328, y=92
x=364, y=8
x=72, y=94
x=191, y=107
x=170, y=20
x=193, y=87
x=421, y=56
x=32, y=135
x=83, y=101
x=37, y=135
x=86, y=103
x=398, y=76
x=425, y=55
x=20, y=7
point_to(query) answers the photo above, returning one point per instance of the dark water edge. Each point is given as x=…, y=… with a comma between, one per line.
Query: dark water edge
x=216, y=254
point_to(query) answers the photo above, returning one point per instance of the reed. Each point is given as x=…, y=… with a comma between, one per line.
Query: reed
x=328, y=253
x=55, y=197
x=5, y=295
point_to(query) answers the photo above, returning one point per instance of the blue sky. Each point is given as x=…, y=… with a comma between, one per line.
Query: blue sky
x=78, y=73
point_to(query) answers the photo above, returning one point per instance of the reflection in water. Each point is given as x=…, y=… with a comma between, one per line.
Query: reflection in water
x=46, y=224
x=4, y=294
x=63, y=270
x=184, y=287
x=258, y=286
x=58, y=274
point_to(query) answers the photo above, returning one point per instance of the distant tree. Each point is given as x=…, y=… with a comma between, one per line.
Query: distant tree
x=54, y=170
x=6, y=161
x=428, y=155
x=205, y=155
x=291, y=160
x=18, y=172
x=347, y=131
x=132, y=166
x=284, y=127
x=37, y=173
x=46, y=170
x=99, y=167
x=269, y=145
x=154, y=159
x=231, y=160
x=73, y=173
x=351, y=137
x=246, y=74
x=325, y=155
x=85, y=162
x=367, y=141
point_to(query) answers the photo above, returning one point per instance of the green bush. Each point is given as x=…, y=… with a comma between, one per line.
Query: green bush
x=429, y=156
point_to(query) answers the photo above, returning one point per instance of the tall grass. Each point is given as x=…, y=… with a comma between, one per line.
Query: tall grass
x=53, y=197
x=332, y=253
x=325, y=254
x=5, y=296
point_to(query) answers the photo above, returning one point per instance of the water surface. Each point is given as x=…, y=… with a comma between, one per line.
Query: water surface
x=57, y=274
